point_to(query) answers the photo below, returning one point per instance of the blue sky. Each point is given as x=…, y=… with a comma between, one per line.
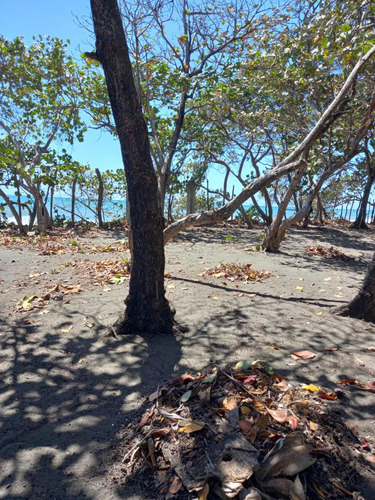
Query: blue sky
x=62, y=19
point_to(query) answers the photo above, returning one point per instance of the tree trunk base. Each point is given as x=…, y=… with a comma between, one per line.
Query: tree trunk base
x=159, y=321
x=361, y=307
x=358, y=225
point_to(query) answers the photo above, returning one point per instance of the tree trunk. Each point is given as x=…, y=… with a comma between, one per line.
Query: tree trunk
x=276, y=232
x=72, y=211
x=363, y=304
x=360, y=222
x=147, y=308
x=15, y=214
x=100, y=198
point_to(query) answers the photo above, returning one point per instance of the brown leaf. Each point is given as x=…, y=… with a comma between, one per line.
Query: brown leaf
x=313, y=425
x=175, y=486
x=246, y=426
x=331, y=348
x=304, y=354
x=229, y=403
x=330, y=396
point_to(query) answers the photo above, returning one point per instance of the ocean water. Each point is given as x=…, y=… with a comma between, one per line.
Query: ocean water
x=116, y=209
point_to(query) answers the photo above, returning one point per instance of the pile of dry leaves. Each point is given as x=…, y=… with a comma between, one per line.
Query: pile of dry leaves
x=237, y=272
x=60, y=243
x=242, y=433
x=330, y=252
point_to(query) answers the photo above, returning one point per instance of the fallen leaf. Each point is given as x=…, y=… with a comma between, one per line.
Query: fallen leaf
x=246, y=426
x=339, y=296
x=319, y=313
x=331, y=348
x=280, y=416
x=239, y=294
x=304, y=354
x=229, y=403
x=80, y=361
x=245, y=410
x=311, y=388
x=301, y=279
x=313, y=425
x=299, y=287
x=175, y=486
x=330, y=396
x=106, y=289
x=273, y=346
x=250, y=380
x=193, y=426
x=215, y=298
x=328, y=279
x=360, y=362
x=66, y=330
x=185, y=397
x=90, y=325
x=202, y=494
x=370, y=348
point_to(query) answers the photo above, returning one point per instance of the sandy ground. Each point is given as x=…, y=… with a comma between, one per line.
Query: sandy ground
x=67, y=389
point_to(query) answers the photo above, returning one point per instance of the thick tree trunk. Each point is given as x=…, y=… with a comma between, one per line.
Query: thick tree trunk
x=363, y=304
x=147, y=309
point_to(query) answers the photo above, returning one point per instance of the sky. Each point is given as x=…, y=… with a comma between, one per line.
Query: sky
x=62, y=19
x=69, y=19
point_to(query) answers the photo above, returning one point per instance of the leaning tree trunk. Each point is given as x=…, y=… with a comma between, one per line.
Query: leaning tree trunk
x=16, y=215
x=147, y=309
x=360, y=222
x=363, y=304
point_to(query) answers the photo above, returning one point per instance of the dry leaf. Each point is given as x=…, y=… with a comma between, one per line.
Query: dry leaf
x=202, y=494
x=361, y=363
x=313, y=425
x=331, y=348
x=370, y=348
x=90, y=325
x=273, y=346
x=215, y=298
x=246, y=426
x=319, y=313
x=304, y=354
x=175, y=486
x=328, y=279
x=299, y=287
x=194, y=426
x=66, y=330
x=311, y=388
x=230, y=403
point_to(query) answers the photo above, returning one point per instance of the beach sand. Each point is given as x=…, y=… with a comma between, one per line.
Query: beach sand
x=67, y=388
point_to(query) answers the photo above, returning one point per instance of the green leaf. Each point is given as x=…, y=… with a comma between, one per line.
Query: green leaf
x=185, y=397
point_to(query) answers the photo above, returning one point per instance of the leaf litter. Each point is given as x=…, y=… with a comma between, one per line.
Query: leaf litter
x=237, y=272
x=242, y=432
x=331, y=253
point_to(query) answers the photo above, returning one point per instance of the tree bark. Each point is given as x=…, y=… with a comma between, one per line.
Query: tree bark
x=147, y=308
x=363, y=304
x=99, y=208
x=290, y=164
x=17, y=217
x=276, y=232
x=360, y=222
